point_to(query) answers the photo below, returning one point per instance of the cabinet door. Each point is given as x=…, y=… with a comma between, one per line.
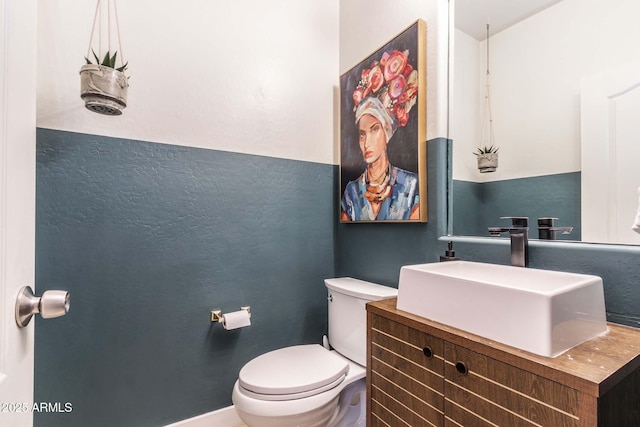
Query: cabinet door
x=406, y=376
x=480, y=391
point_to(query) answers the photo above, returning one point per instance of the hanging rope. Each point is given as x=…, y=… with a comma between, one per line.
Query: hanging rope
x=487, y=118
x=115, y=9
x=93, y=27
x=109, y=26
x=97, y=19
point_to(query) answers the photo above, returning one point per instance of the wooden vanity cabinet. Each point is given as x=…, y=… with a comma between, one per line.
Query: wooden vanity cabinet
x=405, y=371
x=422, y=373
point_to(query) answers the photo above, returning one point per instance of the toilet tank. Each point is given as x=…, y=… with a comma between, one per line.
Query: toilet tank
x=348, y=315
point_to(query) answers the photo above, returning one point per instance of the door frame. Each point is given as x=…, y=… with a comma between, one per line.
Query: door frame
x=18, y=44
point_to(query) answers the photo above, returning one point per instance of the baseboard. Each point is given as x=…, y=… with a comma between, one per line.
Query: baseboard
x=225, y=417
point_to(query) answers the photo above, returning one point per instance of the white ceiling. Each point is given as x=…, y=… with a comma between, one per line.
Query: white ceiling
x=472, y=16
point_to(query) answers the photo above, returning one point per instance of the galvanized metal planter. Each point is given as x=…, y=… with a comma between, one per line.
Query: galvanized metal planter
x=487, y=162
x=103, y=89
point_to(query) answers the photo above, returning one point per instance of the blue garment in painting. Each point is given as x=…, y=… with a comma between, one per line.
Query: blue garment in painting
x=404, y=196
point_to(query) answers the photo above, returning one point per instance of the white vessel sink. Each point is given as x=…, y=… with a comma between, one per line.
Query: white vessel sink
x=543, y=312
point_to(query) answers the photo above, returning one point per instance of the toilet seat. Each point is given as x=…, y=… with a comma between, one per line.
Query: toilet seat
x=251, y=407
x=293, y=396
x=292, y=373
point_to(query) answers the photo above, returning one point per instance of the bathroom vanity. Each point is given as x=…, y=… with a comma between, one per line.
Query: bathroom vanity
x=424, y=373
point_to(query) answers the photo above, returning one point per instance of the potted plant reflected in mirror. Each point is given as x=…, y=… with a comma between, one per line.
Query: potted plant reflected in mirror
x=487, y=159
x=103, y=87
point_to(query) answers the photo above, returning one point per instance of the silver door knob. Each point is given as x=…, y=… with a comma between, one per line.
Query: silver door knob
x=51, y=304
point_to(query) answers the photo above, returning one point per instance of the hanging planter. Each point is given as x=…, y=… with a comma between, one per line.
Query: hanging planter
x=103, y=85
x=487, y=155
x=487, y=159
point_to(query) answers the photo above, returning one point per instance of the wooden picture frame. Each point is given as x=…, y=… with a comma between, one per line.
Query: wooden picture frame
x=383, y=176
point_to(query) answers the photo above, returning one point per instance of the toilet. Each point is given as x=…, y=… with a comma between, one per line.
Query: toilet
x=314, y=385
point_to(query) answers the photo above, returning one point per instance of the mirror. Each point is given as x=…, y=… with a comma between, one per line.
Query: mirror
x=551, y=68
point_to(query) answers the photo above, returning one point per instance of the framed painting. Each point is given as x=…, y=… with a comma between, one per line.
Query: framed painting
x=383, y=133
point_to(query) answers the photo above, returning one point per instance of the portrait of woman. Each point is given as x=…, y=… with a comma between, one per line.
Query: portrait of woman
x=380, y=138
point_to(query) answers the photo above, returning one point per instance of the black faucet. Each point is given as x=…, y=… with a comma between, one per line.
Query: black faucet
x=547, y=231
x=519, y=233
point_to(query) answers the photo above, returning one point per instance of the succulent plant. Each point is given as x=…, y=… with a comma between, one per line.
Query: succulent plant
x=486, y=150
x=108, y=61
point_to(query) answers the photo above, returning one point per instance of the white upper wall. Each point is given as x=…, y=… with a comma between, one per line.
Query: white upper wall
x=536, y=69
x=244, y=76
x=366, y=25
x=253, y=77
x=466, y=105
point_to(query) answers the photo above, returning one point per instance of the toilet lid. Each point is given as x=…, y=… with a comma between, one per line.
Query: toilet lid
x=293, y=370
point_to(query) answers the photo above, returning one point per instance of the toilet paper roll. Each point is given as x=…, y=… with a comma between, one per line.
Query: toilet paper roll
x=236, y=319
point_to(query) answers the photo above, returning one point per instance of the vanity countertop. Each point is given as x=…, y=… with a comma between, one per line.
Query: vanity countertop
x=593, y=367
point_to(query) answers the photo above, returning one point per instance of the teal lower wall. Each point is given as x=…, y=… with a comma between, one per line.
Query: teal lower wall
x=148, y=238
x=479, y=205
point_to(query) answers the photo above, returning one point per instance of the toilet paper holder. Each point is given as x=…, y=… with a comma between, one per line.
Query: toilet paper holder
x=218, y=317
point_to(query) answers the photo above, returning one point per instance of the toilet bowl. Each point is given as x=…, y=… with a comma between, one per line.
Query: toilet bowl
x=313, y=381
x=310, y=385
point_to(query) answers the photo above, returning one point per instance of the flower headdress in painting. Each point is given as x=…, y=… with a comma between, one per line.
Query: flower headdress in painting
x=387, y=90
